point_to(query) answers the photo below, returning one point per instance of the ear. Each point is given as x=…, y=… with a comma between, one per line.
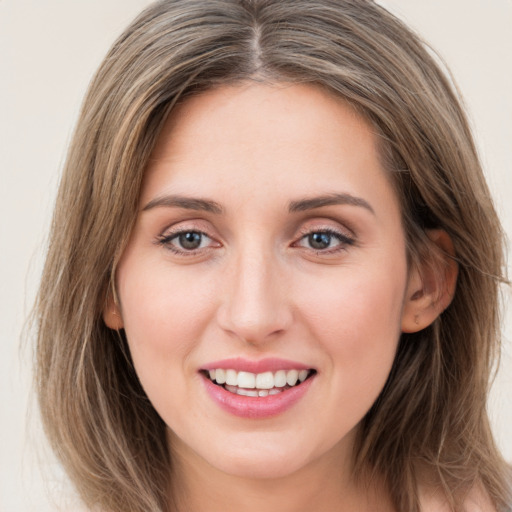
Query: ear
x=112, y=313
x=431, y=285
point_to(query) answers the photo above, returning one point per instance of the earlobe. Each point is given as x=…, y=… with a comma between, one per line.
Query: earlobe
x=431, y=285
x=112, y=313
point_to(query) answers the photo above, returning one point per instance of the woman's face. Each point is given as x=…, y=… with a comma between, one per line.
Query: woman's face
x=268, y=247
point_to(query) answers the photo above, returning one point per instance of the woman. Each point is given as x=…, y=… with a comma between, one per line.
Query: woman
x=273, y=271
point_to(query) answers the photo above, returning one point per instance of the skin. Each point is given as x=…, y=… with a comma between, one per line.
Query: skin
x=256, y=288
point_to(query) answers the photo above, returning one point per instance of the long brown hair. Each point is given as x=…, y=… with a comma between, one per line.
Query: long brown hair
x=432, y=411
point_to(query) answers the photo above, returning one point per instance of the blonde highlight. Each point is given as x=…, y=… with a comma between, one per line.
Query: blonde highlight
x=431, y=416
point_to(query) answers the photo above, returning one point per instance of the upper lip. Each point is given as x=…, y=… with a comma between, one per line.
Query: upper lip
x=256, y=366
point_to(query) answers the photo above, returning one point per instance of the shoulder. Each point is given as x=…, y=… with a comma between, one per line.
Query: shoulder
x=476, y=500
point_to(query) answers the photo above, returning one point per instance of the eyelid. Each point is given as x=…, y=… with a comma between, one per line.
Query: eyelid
x=187, y=224
x=167, y=235
x=327, y=225
x=346, y=237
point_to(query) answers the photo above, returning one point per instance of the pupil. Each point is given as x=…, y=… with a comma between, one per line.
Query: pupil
x=320, y=240
x=190, y=240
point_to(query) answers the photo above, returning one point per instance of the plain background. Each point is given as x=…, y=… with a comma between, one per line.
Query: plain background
x=49, y=50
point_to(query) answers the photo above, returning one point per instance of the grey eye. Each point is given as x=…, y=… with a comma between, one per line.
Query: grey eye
x=325, y=241
x=190, y=240
x=320, y=240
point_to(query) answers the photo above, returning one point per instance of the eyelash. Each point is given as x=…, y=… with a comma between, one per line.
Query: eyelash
x=166, y=241
x=344, y=241
x=342, y=238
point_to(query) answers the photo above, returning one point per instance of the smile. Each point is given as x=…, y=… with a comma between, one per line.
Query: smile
x=257, y=384
x=257, y=389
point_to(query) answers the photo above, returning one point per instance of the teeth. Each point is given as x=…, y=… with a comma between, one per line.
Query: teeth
x=241, y=391
x=291, y=377
x=246, y=380
x=265, y=380
x=247, y=392
x=280, y=379
x=252, y=392
x=261, y=384
x=302, y=375
x=231, y=377
x=220, y=376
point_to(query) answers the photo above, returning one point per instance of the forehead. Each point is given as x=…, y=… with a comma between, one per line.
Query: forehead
x=257, y=138
x=252, y=110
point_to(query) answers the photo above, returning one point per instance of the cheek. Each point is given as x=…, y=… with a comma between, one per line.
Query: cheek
x=357, y=324
x=163, y=314
x=354, y=307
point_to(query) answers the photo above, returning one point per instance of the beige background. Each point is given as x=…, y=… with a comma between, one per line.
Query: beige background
x=48, y=52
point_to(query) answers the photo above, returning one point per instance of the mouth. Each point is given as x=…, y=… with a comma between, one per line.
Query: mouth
x=258, y=385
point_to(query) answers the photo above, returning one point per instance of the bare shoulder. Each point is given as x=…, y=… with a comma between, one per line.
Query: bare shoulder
x=476, y=500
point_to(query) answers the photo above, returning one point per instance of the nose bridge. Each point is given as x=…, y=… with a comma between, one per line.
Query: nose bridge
x=255, y=302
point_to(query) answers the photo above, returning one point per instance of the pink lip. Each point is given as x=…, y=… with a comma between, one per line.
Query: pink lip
x=264, y=365
x=256, y=407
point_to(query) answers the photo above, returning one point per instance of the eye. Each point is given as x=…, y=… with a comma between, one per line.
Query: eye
x=186, y=241
x=325, y=240
x=190, y=240
x=320, y=240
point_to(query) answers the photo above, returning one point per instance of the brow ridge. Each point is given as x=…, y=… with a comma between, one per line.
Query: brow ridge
x=188, y=203
x=311, y=203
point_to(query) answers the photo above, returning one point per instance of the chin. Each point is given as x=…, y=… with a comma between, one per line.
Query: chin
x=261, y=460
x=261, y=469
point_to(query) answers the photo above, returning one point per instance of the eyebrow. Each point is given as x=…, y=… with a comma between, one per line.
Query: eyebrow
x=187, y=203
x=328, y=200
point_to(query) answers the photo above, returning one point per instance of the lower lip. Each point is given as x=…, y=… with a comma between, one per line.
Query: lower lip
x=256, y=407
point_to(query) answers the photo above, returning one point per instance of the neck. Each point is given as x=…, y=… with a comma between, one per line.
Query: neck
x=323, y=486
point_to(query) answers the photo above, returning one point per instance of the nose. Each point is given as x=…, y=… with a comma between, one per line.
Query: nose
x=256, y=304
